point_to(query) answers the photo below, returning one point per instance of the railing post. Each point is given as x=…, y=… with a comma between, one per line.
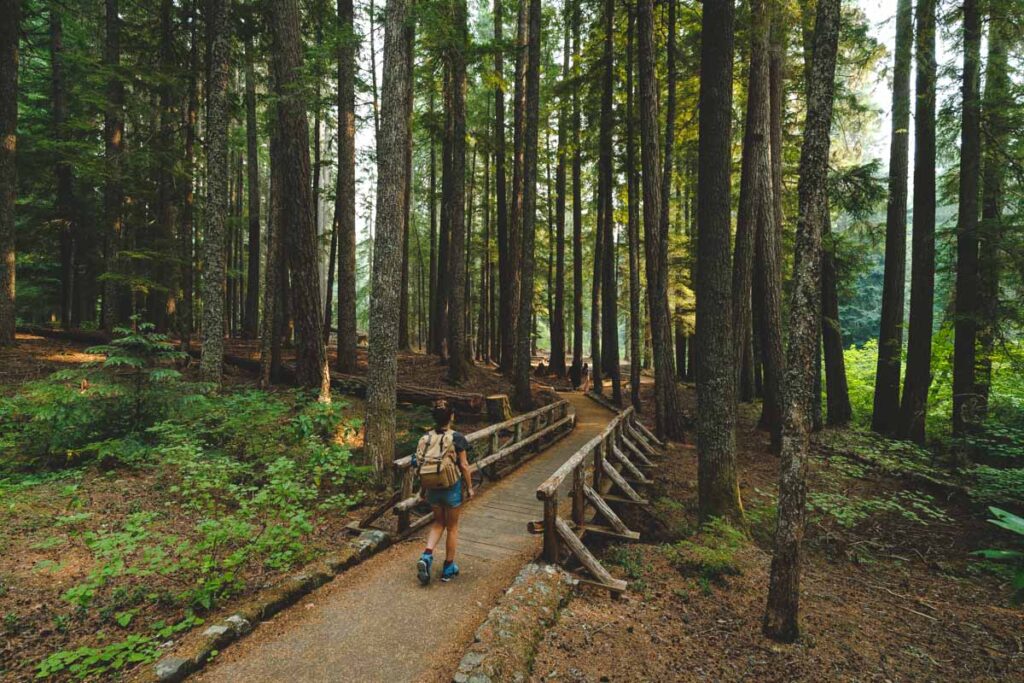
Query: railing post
x=403, y=517
x=598, y=465
x=518, y=432
x=578, y=494
x=495, y=443
x=550, y=531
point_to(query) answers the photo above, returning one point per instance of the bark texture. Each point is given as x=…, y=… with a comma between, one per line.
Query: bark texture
x=298, y=230
x=345, y=190
x=9, y=27
x=250, y=320
x=116, y=306
x=382, y=376
x=890, y=333
x=217, y=191
x=782, y=612
x=914, y=402
x=718, y=488
x=457, y=272
x=633, y=224
x=609, y=288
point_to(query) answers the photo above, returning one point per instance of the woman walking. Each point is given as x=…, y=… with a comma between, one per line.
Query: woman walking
x=442, y=461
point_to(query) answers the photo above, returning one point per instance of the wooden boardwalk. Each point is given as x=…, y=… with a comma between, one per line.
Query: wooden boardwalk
x=376, y=623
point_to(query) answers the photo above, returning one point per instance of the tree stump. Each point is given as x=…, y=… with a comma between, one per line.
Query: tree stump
x=498, y=408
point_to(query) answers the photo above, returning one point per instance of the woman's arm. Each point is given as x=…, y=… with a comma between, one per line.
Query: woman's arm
x=466, y=475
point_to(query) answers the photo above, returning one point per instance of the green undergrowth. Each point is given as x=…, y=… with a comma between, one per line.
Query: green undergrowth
x=160, y=498
x=710, y=554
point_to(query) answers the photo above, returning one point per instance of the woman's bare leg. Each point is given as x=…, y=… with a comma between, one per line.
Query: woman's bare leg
x=437, y=526
x=452, y=540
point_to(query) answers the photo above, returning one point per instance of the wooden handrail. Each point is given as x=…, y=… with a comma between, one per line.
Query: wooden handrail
x=550, y=486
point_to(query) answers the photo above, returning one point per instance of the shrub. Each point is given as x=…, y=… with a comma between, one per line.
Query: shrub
x=712, y=554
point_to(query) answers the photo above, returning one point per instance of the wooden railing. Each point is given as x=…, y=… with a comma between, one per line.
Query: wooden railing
x=612, y=461
x=496, y=449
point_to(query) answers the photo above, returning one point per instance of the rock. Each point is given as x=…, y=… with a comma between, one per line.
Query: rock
x=239, y=623
x=172, y=669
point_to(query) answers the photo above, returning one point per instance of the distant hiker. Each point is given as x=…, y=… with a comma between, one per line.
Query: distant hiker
x=541, y=370
x=586, y=378
x=442, y=462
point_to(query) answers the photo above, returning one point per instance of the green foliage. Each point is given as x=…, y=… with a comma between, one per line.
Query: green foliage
x=712, y=554
x=994, y=485
x=849, y=512
x=1015, y=558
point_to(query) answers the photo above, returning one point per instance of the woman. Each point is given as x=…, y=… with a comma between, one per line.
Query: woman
x=445, y=502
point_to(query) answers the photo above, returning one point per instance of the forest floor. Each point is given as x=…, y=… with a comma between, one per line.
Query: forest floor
x=889, y=591
x=93, y=570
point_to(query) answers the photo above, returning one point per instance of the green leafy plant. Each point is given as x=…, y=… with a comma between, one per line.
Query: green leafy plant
x=711, y=555
x=1015, y=558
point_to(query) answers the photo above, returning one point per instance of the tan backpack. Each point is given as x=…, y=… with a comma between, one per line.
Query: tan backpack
x=436, y=457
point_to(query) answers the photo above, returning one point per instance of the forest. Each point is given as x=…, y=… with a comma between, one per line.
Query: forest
x=245, y=245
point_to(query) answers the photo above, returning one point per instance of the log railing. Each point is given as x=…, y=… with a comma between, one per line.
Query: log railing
x=605, y=464
x=496, y=449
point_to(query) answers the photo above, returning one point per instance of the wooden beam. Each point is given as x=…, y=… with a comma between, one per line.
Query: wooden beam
x=626, y=501
x=628, y=464
x=609, y=532
x=647, y=432
x=620, y=481
x=587, y=558
x=637, y=452
x=605, y=511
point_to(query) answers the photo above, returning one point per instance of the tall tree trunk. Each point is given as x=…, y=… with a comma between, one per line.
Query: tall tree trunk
x=840, y=412
x=633, y=225
x=441, y=300
x=914, y=402
x=403, y=312
x=374, y=97
x=577, y=208
x=965, y=401
x=531, y=116
x=782, y=612
x=456, y=271
x=609, y=290
x=64, y=208
x=670, y=124
x=596, y=366
x=115, y=299
x=250, y=323
x=387, y=258
x=187, y=228
x=557, y=359
x=483, y=345
x=432, y=343
x=217, y=191
x=345, y=190
x=270, y=342
x=500, y=191
x=755, y=196
x=299, y=231
x=890, y=333
x=667, y=413
x=9, y=28
x=515, y=225
x=718, y=489
x=997, y=102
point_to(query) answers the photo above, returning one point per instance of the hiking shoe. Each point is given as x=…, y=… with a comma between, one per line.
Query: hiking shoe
x=423, y=568
x=449, y=572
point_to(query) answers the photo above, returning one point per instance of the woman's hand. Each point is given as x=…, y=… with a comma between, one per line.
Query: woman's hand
x=471, y=493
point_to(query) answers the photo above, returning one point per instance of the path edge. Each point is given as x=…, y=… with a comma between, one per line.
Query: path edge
x=197, y=648
x=505, y=644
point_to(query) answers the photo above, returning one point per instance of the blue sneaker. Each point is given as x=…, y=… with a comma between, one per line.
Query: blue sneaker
x=423, y=568
x=449, y=572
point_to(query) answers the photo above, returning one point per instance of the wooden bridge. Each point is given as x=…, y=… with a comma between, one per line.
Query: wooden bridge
x=376, y=623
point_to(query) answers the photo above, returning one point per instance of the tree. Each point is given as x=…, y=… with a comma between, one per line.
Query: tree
x=781, y=615
x=187, y=228
x=914, y=402
x=606, y=224
x=965, y=326
x=755, y=210
x=115, y=303
x=455, y=273
x=298, y=231
x=214, y=233
x=64, y=208
x=577, y=208
x=557, y=359
x=890, y=334
x=840, y=412
x=998, y=99
x=11, y=9
x=668, y=417
x=523, y=395
x=718, y=488
x=345, y=190
x=500, y=190
x=382, y=375
x=250, y=321
x=513, y=243
x=632, y=224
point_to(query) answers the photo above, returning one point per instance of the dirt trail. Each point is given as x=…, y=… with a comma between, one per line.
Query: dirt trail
x=376, y=623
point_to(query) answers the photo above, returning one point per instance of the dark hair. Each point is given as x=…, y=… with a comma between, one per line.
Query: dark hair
x=442, y=413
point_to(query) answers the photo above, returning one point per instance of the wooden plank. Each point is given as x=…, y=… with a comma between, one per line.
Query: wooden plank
x=602, y=507
x=597, y=584
x=620, y=481
x=642, y=441
x=519, y=445
x=587, y=558
x=609, y=532
x=628, y=501
x=550, y=531
x=647, y=432
x=637, y=452
x=628, y=464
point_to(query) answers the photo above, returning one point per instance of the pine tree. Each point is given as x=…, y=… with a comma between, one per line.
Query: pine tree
x=11, y=9
x=456, y=272
x=606, y=225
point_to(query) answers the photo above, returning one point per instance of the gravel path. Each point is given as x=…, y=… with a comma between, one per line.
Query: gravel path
x=376, y=623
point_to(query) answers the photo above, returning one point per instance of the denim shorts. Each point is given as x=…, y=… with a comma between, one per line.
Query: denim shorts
x=450, y=497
